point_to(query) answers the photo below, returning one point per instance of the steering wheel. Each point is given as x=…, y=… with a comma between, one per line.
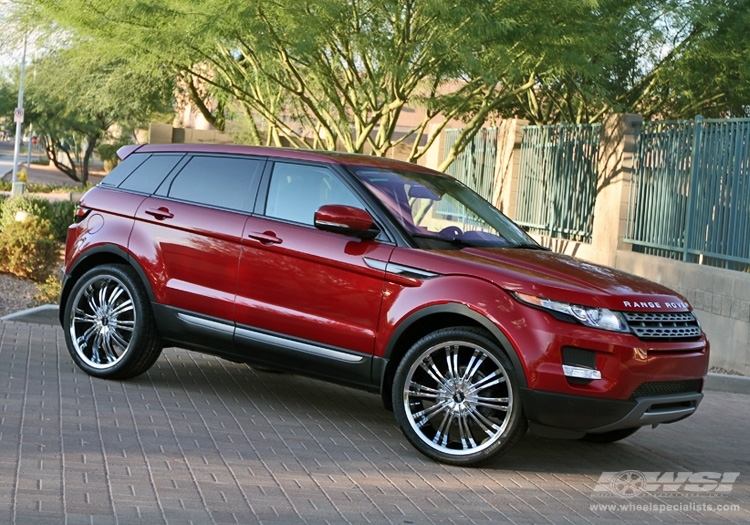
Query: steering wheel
x=452, y=232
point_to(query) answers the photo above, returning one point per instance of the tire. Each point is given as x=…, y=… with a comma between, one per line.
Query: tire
x=109, y=327
x=611, y=436
x=456, y=397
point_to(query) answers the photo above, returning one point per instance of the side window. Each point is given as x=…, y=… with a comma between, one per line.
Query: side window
x=124, y=169
x=147, y=177
x=224, y=182
x=297, y=191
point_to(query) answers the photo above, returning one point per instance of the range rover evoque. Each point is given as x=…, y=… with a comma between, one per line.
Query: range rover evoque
x=374, y=274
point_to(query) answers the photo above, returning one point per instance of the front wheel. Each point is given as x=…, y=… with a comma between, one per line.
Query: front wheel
x=456, y=397
x=109, y=328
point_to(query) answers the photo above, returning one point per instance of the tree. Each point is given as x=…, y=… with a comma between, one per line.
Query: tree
x=660, y=58
x=339, y=73
x=76, y=96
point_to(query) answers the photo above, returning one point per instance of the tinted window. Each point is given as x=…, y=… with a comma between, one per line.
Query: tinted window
x=224, y=182
x=124, y=169
x=147, y=177
x=297, y=191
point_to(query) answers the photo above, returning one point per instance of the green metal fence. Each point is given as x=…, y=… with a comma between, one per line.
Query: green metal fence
x=475, y=165
x=690, y=192
x=557, y=180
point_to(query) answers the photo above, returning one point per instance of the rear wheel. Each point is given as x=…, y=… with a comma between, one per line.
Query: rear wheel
x=456, y=397
x=109, y=328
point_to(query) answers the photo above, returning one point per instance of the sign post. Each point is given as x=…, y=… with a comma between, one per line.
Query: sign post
x=18, y=187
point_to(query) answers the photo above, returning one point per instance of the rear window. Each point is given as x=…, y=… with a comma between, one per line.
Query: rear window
x=142, y=172
x=147, y=177
x=124, y=169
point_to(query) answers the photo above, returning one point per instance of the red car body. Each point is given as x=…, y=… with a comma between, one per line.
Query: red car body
x=347, y=306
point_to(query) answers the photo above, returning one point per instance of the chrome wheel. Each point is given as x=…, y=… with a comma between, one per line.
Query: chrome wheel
x=110, y=328
x=457, y=397
x=104, y=318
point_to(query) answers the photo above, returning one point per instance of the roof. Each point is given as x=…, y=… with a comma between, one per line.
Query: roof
x=330, y=157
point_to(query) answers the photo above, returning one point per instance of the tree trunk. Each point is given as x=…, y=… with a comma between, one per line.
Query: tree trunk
x=54, y=148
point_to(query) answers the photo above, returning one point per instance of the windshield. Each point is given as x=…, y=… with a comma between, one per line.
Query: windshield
x=437, y=210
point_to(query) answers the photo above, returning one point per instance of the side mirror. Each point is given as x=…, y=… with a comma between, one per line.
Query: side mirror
x=346, y=220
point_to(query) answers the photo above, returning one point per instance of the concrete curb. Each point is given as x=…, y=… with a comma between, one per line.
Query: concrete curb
x=728, y=383
x=45, y=314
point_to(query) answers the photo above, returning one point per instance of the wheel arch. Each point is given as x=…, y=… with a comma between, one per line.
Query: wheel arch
x=429, y=319
x=104, y=254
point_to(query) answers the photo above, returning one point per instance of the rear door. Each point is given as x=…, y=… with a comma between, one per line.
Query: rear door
x=307, y=296
x=190, y=234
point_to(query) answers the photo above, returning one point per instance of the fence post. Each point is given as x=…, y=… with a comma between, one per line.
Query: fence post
x=693, y=187
x=616, y=163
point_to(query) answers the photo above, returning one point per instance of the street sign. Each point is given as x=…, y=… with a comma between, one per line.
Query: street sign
x=18, y=115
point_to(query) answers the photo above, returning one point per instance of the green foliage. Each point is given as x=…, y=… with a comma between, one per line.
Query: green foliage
x=62, y=215
x=33, y=206
x=48, y=291
x=340, y=73
x=58, y=214
x=28, y=250
x=107, y=152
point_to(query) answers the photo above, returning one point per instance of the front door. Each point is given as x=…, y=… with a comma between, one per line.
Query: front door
x=307, y=296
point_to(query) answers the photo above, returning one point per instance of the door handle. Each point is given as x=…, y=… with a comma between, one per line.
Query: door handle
x=160, y=213
x=266, y=237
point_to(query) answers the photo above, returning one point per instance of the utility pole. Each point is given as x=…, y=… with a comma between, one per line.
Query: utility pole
x=18, y=118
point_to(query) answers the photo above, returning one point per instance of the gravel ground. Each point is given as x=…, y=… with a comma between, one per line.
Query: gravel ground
x=16, y=294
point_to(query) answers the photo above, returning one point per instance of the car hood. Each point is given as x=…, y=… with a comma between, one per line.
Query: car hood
x=554, y=276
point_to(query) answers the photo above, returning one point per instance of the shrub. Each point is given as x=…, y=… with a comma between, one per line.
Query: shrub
x=108, y=155
x=49, y=291
x=62, y=215
x=35, y=206
x=28, y=250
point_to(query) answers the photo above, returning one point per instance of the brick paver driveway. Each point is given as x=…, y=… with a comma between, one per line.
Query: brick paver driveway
x=200, y=440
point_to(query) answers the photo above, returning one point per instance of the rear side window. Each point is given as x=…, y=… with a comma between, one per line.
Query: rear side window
x=224, y=182
x=150, y=173
x=123, y=170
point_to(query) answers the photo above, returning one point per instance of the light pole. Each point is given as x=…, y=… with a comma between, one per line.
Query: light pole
x=18, y=117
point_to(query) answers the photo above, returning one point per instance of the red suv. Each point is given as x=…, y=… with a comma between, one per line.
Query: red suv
x=373, y=274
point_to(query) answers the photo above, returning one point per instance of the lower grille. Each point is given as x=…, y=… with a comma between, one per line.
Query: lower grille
x=665, y=388
x=663, y=326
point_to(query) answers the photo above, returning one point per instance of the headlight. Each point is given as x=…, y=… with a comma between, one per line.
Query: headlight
x=601, y=318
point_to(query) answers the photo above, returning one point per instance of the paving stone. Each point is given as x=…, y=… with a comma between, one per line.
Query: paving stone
x=201, y=440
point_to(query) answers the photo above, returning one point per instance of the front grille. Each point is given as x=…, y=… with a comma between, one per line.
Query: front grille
x=674, y=326
x=666, y=388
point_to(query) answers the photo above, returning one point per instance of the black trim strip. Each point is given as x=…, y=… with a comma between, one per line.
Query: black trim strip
x=299, y=346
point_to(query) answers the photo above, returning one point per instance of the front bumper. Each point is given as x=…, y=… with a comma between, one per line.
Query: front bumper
x=550, y=410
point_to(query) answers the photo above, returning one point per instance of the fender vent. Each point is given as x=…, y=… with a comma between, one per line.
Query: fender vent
x=661, y=326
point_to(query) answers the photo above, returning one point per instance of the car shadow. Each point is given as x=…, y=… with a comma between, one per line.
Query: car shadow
x=216, y=382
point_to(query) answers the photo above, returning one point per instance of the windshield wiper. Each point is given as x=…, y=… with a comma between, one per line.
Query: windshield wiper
x=455, y=241
x=530, y=246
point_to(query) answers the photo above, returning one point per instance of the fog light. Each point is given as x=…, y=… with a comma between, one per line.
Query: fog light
x=581, y=373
